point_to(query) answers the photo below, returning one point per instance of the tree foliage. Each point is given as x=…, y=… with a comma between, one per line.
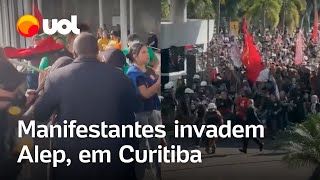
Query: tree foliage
x=293, y=10
x=270, y=13
x=302, y=143
x=200, y=9
x=260, y=11
x=165, y=9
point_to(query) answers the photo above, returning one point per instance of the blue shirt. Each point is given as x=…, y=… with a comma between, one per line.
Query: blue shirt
x=140, y=78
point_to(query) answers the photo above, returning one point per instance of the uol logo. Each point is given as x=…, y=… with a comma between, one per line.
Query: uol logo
x=29, y=25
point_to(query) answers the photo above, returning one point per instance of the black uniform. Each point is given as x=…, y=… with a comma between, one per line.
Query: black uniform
x=252, y=119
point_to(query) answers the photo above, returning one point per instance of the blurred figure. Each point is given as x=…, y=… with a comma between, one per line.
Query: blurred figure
x=315, y=106
x=12, y=89
x=153, y=61
x=212, y=117
x=85, y=90
x=99, y=33
x=152, y=40
x=114, y=57
x=115, y=40
x=169, y=103
x=103, y=41
x=251, y=119
x=32, y=76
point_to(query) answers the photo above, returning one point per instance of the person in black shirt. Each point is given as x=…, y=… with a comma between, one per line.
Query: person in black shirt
x=284, y=102
x=224, y=104
x=251, y=119
x=274, y=115
x=201, y=105
x=180, y=89
x=114, y=57
x=298, y=111
x=185, y=111
x=152, y=40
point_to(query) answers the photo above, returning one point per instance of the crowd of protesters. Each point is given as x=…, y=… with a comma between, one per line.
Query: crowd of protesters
x=287, y=95
x=92, y=79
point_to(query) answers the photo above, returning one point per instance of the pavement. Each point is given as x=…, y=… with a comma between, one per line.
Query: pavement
x=229, y=164
x=226, y=164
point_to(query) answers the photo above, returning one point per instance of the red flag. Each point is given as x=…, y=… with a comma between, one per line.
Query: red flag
x=298, y=59
x=37, y=14
x=45, y=47
x=250, y=56
x=315, y=26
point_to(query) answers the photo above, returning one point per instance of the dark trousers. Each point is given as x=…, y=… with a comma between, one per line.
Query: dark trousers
x=197, y=141
x=246, y=141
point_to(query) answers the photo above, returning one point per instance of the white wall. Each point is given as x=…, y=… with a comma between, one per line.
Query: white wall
x=194, y=31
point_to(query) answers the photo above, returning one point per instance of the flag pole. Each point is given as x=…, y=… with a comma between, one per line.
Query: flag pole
x=25, y=65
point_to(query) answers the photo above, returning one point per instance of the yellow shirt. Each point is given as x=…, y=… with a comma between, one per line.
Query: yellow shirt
x=115, y=44
x=103, y=42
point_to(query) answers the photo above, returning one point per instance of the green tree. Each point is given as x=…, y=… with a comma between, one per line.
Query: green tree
x=291, y=13
x=308, y=16
x=302, y=142
x=165, y=9
x=200, y=9
x=263, y=12
x=230, y=9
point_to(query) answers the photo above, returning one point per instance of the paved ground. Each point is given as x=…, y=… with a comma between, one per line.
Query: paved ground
x=229, y=164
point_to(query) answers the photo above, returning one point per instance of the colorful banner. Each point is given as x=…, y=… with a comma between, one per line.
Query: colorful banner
x=234, y=28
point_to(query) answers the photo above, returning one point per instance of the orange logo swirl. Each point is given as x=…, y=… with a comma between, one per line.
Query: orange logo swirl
x=28, y=25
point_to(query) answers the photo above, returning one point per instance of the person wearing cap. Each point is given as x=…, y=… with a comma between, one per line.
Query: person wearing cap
x=186, y=110
x=201, y=104
x=115, y=40
x=169, y=104
x=152, y=40
x=212, y=117
x=153, y=61
x=196, y=83
x=180, y=89
x=205, y=89
x=103, y=41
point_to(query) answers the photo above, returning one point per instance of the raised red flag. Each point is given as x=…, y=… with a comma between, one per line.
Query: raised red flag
x=37, y=14
x=315, y=26
x=44, y=48
x=244, y=25
x=250, y=56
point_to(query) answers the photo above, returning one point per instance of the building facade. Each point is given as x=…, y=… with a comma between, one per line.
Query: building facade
x=178, y=33
x=139, y=16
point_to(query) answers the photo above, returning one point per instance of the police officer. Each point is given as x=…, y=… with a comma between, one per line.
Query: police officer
x=212, y=117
